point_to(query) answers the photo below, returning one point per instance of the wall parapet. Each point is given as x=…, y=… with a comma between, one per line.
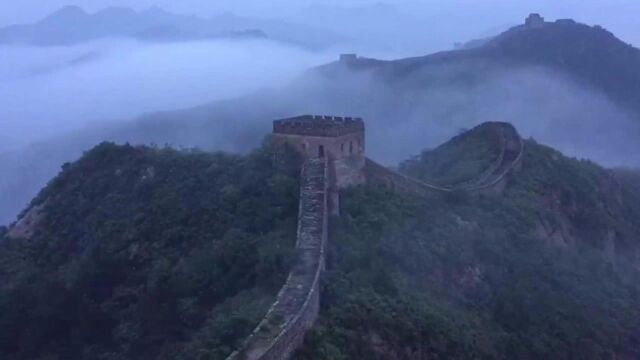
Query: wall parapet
x=296, y=308
x=511, y=157
x=378, y=174
x=512, y=150
x=318, y=125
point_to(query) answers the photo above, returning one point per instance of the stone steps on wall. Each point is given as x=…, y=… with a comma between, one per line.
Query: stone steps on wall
x=296, y=306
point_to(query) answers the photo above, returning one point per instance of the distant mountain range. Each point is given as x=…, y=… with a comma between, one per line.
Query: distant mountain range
x=72, y=25
x=569, y=85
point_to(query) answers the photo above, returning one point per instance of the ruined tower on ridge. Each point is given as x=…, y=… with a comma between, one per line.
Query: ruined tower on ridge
x=339, y=140
x=534, y=20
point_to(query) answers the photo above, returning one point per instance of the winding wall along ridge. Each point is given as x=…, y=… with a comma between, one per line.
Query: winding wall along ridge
x=512, y=146
x=296, y=307
x=511, y=156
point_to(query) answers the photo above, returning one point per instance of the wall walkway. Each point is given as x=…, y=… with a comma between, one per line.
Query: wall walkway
x=296, y=308
x=512, y=150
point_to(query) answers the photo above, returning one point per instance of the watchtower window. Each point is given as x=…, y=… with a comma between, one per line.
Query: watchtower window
x=351, y=147
x=321, y=151
x=342, y=147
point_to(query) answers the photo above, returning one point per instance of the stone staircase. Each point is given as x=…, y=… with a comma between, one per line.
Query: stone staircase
x=283, y=328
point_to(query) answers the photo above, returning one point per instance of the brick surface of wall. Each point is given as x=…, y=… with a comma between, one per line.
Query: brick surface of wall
x=318, y=125
x=296, y=308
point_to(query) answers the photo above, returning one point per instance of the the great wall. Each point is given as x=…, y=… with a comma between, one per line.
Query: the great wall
x=296, y=307
x=511, y=151
x=333, y=149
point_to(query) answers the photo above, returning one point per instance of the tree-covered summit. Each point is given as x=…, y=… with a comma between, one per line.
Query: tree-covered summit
x=545, y=268
x=148, y=253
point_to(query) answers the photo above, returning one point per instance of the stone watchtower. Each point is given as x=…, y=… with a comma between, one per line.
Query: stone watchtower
x=534, y=21
x=339, y=140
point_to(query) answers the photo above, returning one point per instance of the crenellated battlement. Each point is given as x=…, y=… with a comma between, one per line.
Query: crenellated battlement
x=534, y=20
x=318, y=125
x=339, y=139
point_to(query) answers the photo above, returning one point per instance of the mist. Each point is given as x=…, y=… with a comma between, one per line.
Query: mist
x=45, y=92
x=146, y=210
x=406, y=116
x=58, y=101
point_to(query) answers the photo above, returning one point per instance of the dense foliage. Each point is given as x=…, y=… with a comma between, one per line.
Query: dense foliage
x=472, y=277
x=459, y=160
x=146, y=253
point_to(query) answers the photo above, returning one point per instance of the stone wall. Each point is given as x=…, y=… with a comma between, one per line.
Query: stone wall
x=349, y=171
x=333, y=147
x=492, y=179
x=296, y=308
x=382, y=176
x=345, y=155
x=318, y=125
x=510, y=160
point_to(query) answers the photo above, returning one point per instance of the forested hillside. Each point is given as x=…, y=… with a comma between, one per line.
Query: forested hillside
x=148, y=253
x=153, y=253
x=545, y=269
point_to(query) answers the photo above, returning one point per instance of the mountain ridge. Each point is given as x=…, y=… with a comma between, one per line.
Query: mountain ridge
x=72, y=25
x=565, y=44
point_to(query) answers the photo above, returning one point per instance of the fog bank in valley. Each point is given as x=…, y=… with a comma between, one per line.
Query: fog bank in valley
x=56, y=102
x=50, y=91
x=408, y=115
x=404, y=117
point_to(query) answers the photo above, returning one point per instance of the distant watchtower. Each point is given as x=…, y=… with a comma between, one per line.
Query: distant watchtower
x=348, y=58
x=339, y=140
x=534, y=21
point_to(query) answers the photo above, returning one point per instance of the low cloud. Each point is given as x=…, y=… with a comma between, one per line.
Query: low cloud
x=405, y=113
x=408, y=114
x=49, y=91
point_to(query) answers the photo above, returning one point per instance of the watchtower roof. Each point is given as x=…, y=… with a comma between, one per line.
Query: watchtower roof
x=318, y=125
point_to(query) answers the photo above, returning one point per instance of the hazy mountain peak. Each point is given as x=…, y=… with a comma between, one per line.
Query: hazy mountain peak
x=70, y=9
x=116, y=11
x=72, y=25
x=70, y=12
x=539, y=25
x=156, y=10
